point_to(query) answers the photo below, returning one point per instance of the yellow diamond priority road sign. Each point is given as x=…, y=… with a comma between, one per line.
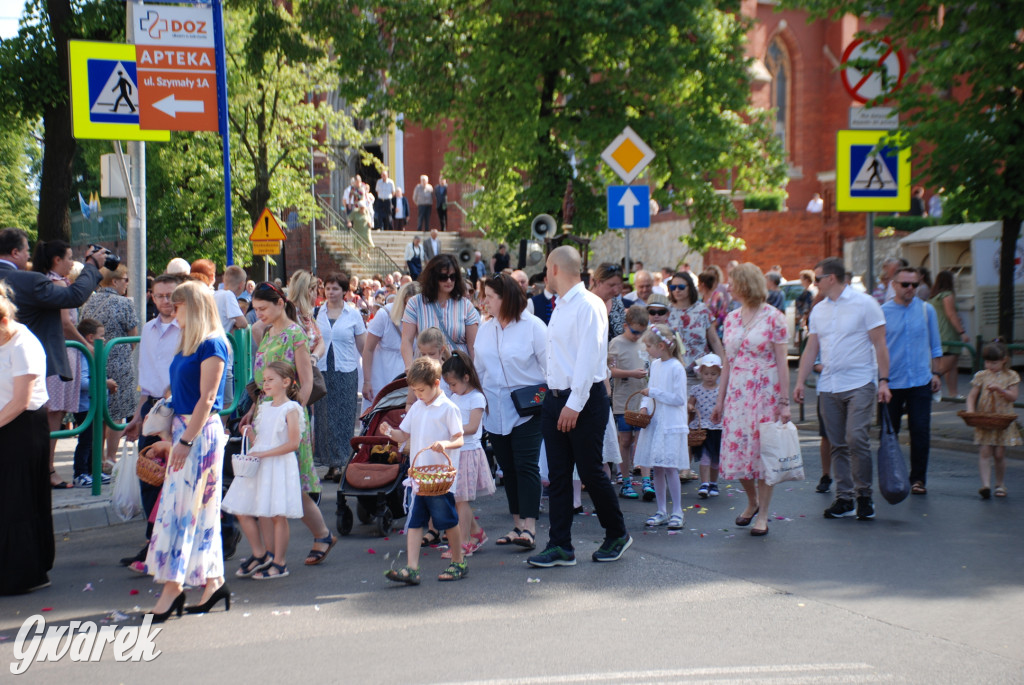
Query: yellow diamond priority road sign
x=628, y=155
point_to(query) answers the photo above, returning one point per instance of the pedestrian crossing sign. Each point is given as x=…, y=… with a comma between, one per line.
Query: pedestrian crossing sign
x=871, y=176
x=105, y=93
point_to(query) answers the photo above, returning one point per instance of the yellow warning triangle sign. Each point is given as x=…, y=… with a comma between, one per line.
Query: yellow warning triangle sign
x=267, y=228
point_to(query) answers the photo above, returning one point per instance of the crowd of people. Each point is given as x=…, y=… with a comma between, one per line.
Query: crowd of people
x=550, y=373
x=386, y=207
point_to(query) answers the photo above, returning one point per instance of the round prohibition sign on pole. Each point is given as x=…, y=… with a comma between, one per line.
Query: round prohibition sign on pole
x=864, y=86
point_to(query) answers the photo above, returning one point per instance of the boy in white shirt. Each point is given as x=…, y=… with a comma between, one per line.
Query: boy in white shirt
x=433, y=422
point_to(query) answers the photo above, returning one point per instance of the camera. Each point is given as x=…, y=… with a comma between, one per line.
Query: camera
x=112, y=261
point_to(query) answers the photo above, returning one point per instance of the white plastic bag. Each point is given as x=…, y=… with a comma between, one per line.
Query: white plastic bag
x=780, y=452
x=127, y=499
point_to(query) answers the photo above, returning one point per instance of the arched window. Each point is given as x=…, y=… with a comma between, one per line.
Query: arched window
x=777, y=61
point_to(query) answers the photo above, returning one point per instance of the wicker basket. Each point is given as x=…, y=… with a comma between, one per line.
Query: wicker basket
x=636, y=418
x=433, y=479
x=978, y=419
x=696, y=437
x=151, y=467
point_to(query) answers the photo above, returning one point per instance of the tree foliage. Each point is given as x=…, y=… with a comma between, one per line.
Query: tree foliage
x=18, y=151
x=962, y=102
x=533, y=92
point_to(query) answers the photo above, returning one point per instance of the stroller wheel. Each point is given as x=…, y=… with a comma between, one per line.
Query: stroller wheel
x=344, y=521
x=361, y=512
x=384, y=523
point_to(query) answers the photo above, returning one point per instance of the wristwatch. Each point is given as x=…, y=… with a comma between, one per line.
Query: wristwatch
x=186, y=443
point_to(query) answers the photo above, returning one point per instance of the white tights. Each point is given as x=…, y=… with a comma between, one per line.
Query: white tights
x=663, y=476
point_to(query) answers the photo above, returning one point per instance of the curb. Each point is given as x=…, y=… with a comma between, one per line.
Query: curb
x=79, y=517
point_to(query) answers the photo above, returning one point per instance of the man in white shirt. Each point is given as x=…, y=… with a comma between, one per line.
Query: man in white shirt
x=643, y=284
x=382, y=207
x=849, y=328
x=575, y=413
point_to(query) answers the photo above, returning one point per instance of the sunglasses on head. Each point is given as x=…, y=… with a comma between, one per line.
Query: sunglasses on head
x=681, y=286
x=267, y=285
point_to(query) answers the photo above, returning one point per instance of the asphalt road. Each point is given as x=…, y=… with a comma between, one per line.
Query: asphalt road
x=929, y=592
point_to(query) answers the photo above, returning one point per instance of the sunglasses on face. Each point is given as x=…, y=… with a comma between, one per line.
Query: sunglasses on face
x=819, y=279
x=681, y=286
x=636, y=332
x=658, y=312
x=907, y=285
x=446, y=277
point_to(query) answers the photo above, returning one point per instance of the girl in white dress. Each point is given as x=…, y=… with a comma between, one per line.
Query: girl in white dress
x=275, y=492
x=662, y=446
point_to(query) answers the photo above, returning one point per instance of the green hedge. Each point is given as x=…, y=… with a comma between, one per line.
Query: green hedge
x=905, y=223
x=766, y=202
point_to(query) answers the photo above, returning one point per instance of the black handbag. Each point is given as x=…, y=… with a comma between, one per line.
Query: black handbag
x=528, y=400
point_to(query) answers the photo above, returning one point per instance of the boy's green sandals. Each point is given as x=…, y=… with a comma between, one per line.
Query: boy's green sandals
x=407, y=575
x=455, y=571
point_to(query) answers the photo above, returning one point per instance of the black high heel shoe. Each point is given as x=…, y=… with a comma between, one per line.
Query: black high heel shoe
x=177, y=605
x=221, y=593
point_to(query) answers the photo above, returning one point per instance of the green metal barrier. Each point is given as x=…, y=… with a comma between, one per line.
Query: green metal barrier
x=240, y=341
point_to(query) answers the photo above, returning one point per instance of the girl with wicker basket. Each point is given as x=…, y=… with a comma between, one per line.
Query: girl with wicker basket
x=433, y=423
x=993, y=391
x=662, y=445
x=702, y=402
x=275, y=491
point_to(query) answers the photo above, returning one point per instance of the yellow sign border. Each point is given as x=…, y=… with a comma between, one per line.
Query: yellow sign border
x=845, y=139
x=82, y=128
x=274, y=230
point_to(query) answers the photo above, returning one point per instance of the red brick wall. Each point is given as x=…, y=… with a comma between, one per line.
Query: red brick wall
x=296, y=254
x=424, y=154
x=793, y=240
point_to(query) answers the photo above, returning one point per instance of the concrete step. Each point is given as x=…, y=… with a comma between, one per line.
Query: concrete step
x=393, y=243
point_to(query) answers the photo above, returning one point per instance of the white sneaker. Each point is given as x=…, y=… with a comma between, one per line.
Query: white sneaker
x=83, y=481
x=659, y=519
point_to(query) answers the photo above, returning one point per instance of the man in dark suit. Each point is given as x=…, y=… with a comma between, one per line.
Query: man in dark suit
x=39, y=300
x=431, y=246
x=441, y=196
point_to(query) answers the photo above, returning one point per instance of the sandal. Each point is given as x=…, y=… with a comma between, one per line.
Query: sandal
x=316, y=556
x=509, y=539
x=253, y=563
x=479, y=538
x=918, y=488
x=281, y=570
x=1000, y=491
x=467, y=550
x=527, y=540
x=455, y=571
x=430, y=538
x=409, y=576
x=63, y=485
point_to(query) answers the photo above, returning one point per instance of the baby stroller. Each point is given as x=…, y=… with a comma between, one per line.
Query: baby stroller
x=376, y=470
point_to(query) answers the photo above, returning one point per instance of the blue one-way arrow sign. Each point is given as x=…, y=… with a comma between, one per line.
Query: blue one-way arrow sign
x=629, y=207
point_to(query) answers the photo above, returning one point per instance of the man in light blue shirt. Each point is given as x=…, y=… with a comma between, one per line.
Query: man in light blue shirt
x=912, y=336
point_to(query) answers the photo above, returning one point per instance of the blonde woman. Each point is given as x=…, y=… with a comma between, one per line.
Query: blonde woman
x=26, y=521
x=382, y=351
x=301, y=292
x=185, y=547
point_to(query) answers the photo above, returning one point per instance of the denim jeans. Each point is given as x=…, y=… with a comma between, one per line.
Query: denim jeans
x=916, y=403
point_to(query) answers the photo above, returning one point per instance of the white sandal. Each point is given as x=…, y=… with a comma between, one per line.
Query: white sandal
x=659, y=519
x=675, y=522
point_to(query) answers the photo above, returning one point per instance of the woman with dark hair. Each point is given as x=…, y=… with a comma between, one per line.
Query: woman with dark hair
x=281, y=339
x=110, y=306
x=951, y=328
x=511, y=353
x=607, y=284
x=691, y=319
x=53, y=259
x=442, y=304
x=344, y=334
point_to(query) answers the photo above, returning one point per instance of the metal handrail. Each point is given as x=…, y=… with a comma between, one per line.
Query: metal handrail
x=356, y=244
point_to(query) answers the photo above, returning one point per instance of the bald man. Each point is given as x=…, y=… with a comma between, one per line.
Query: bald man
x=644, y=288
x=575, y=413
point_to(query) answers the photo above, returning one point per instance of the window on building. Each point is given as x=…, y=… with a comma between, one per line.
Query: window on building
x=777, y=61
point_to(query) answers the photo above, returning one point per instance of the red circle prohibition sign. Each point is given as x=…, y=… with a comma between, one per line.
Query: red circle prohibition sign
x=867, y=86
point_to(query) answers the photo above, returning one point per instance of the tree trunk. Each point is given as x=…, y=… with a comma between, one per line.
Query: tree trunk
x=1007, y=265
x=54, y=218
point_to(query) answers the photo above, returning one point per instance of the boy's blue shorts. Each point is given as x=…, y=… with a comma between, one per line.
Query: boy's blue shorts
x=440, y=508
x=620, y=423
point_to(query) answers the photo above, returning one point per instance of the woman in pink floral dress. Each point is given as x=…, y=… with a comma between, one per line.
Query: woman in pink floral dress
x=749, y=392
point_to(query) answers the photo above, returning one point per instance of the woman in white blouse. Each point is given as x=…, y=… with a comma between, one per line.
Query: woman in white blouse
x=343, y=334
x=382, y=351
x=26, y=520
x=510, y=353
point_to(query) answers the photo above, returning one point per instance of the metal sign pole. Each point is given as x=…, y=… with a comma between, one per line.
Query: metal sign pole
x=871, y=252
x=222, y=114
x=136, y=228
x=628, y=268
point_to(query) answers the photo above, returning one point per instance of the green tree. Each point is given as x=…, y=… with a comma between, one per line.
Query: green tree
x=962, y=102
x=277, y=76
x=533, y=92
x=18, y=149
x=34, y=85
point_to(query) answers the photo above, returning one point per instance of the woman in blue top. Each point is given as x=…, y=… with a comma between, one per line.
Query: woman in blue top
x=185, y=546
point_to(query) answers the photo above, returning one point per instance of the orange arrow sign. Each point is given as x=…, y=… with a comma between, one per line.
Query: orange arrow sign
x=267, y=228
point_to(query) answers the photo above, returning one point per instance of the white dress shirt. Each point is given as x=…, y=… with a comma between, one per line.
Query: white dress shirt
x=156, y=351
x=385, y=189
x=842, y=326
x=341, y=336
x=577, y=345
x=413, y=250
x=507, y=359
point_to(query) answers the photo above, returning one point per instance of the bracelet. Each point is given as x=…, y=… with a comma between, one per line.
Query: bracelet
x=783, y=401
x=884, y=378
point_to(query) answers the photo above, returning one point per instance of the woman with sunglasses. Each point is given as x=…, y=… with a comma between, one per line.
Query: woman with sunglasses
x=692, y=320
x=281, y=339
x=442, y=304
x=607, y=284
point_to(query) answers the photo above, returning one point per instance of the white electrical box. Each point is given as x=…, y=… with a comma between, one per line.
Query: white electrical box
x=111, y=181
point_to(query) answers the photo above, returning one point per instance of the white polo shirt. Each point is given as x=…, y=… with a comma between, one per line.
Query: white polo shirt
x=428, y=423
x=577, y=345
x=842, y=326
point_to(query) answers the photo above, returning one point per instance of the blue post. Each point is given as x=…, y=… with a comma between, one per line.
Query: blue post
x=222, y=115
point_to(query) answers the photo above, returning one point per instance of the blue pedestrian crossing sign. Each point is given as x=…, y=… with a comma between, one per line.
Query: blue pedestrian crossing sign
x=629, y=206
x=105, y=93
x=870, y=176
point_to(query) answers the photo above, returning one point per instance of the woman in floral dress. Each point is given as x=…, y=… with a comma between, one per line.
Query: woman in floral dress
x=750, y=392
x=691, y=320
x=282, y=339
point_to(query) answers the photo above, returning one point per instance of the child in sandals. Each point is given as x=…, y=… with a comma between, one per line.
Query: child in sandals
x=434, y=423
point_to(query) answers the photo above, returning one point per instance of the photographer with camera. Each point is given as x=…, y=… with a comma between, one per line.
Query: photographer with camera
x=39, y=300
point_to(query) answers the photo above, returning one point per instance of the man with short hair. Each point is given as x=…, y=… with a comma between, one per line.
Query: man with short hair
x=478, y=271
x=575, y=413
x=441, y=194
x=431, y=246
x=912, y=338
x=382, y=205
x=520, y=277
x=501, y=260
x=643, y=285
x=423, y=198
x=776, y=297
x=849, y=328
